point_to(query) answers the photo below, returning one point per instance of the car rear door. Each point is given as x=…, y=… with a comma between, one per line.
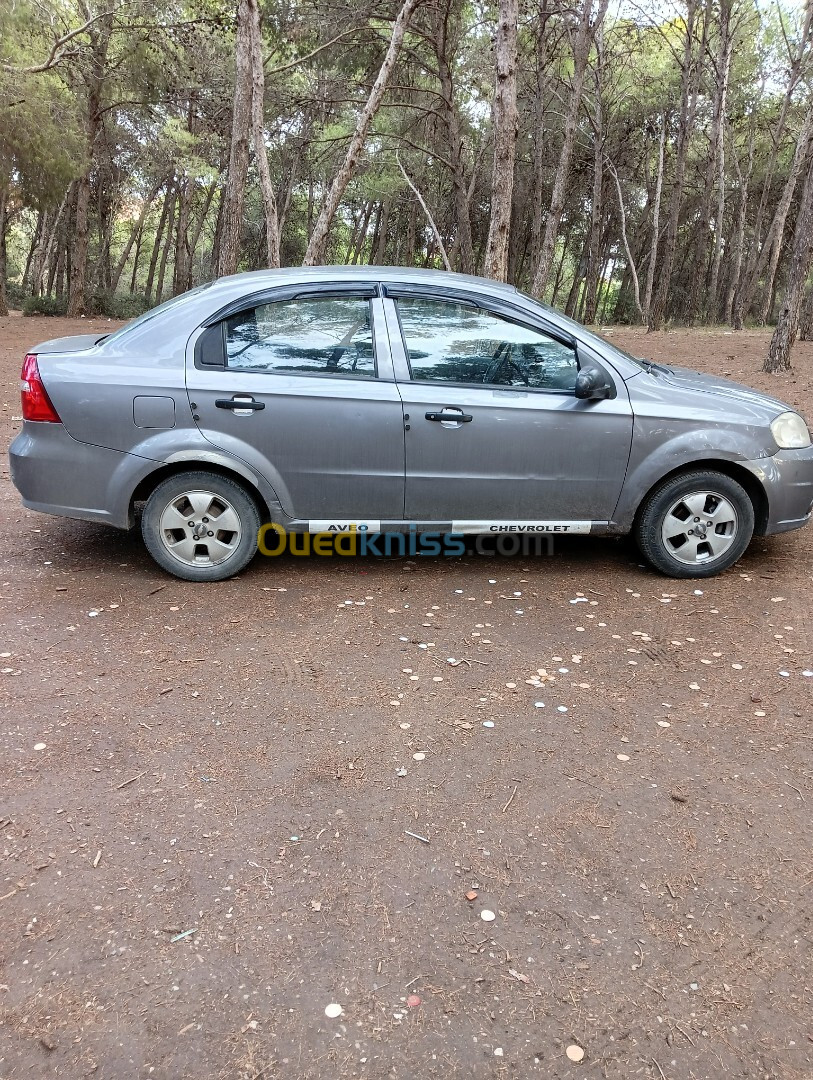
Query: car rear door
x=302, y=382
x=496, y=435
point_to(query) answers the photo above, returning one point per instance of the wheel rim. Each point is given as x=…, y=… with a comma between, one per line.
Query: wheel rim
x=200, y=528
x=700, y=527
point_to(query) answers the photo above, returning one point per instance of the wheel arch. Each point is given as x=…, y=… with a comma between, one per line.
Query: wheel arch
x=150, y=482
x=743, y=476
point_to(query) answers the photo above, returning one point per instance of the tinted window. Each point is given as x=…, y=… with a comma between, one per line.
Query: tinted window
x=454, y=342
x=320, y=335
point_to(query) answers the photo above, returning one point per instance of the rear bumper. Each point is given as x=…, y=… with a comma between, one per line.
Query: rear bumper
x=55, y=474
x=787, y=479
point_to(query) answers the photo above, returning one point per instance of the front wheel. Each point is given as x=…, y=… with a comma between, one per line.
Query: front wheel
x=201, y=526
x=695, y=525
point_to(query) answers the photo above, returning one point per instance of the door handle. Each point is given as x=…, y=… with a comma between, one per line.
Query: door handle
x=454, y=416
x=248, y=404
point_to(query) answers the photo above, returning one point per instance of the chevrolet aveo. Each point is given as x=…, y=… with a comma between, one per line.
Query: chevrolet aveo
x=388, y=399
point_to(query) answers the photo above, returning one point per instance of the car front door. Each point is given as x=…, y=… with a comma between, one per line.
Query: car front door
x=305, y=386
x=495, y=432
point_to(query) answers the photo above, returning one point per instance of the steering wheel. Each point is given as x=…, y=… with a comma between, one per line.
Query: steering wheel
x=502, y=359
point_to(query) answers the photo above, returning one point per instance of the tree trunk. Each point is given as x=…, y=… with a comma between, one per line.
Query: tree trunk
x=156, y=247
x=581, y=56
x=575, y=286
x=54, y=269
x=159, y=291
x=56, y=276
x=136, y=261
x=77, y=277
x=688, y=106
x=540, y=148
x=632, y=270
x=560, y=268
x=435, y=231
x=771, y=249
x=517, y=239
x=55, y=242
x=353, y=238
x=504, y=123
x=726, y=52
x=317, y=246
x=738, y=246
x=106, y=211
x=602, y=318
x=198, y=229
x=794, y=74
x=37, y=244
x=3, y=250
x=135, y=234
x=656, y=220
x=272, y=259
x=77, y=282
x=231, y=223
x=180, y=270
x=380, y=252
x=806, y=321
x=784, y=336
x=411, y=232
x=594, y=246
x=289, y=183
x=699, y=296
x=358, y=246
x=456, y=152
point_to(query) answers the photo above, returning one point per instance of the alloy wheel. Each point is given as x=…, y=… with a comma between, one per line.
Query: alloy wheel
x=699, y=527
x=200, y=528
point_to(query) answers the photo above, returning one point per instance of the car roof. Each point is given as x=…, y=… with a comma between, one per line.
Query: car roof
x=420, y=275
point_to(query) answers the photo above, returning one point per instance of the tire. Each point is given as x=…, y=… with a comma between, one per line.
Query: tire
x=180, y=526
x=695, y=525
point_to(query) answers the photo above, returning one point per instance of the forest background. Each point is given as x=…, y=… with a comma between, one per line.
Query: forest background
x=628, y=163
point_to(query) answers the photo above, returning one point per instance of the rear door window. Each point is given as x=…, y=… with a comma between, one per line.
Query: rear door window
x=324, y=335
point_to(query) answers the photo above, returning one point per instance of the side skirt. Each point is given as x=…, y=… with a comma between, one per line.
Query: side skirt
x=496, y=527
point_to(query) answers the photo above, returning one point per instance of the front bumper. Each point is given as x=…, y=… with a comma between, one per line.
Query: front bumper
x=787, y=479
x=56, y=474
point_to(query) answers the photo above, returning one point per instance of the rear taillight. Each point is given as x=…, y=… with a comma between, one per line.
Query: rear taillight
x=36, y=403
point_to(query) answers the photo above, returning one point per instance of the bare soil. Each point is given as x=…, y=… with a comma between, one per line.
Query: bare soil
x=237, y=763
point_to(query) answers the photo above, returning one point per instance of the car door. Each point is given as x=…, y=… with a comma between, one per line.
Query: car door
x=495, y=432
x=303, y=385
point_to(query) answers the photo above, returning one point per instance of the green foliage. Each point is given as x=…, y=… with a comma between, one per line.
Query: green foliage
x=15, y=294
x=41, y=145
x=44, y=305
x=161, y=133
x=119, y=307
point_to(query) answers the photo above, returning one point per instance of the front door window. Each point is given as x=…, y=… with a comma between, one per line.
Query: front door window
x=458, y=343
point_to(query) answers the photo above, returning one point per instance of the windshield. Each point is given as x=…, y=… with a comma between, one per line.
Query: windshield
x=148, y=315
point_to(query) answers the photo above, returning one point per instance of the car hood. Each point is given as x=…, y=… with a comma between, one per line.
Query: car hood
x=687, y=379
x=74, y=343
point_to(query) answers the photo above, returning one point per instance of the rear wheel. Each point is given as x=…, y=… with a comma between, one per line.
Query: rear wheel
x=695, y=524
x=201, y=526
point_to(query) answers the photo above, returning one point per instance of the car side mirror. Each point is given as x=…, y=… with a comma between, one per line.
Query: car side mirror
x=592, y=385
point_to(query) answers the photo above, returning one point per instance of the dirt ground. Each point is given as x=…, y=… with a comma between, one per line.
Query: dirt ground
x=208, y=792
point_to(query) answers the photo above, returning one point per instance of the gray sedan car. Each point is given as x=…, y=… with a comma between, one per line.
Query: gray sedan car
x=396, y=400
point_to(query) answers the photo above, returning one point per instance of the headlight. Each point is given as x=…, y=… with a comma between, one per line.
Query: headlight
x=790, y=431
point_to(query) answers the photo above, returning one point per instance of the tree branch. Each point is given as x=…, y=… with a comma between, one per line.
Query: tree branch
x=56, y=55
x=429, y=217
x=314, y=52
